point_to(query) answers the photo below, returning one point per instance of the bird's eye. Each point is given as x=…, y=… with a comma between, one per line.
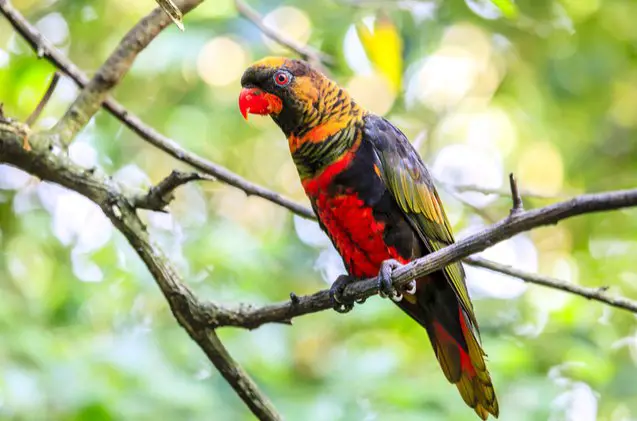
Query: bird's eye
x=281, y=78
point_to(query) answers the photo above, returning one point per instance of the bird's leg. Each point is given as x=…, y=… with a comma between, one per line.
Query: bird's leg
x=336, y=294
x=385, y=285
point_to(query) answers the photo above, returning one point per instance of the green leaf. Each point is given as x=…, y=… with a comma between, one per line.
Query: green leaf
x=508, y=8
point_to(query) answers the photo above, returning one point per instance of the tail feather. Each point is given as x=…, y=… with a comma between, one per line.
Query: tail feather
x=455, y=342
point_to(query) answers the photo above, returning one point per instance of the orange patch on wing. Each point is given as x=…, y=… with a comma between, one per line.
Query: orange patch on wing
x=377, y=170
x=317, y=134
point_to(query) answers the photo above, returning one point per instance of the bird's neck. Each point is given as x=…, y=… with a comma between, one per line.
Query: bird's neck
x=333, y=127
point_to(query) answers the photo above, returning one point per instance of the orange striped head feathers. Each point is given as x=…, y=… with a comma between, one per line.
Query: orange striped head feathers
x=290, y=91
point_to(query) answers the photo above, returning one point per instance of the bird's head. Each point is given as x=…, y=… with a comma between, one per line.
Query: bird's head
x=287, y=90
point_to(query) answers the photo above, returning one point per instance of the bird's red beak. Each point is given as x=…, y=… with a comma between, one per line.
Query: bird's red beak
x=255, y=101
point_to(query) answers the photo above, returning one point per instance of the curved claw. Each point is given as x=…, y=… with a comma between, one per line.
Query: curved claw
x=343, y=308
x=336, y=294
x=385, y=285
x=410, y=288
x=397, y=298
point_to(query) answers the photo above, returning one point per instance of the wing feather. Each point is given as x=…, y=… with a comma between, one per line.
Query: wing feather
x=412, y=187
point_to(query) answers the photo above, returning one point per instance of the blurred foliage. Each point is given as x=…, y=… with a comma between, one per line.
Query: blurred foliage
x=546, y=89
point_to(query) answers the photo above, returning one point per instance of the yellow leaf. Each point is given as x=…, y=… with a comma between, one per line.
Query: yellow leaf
x=384, y=49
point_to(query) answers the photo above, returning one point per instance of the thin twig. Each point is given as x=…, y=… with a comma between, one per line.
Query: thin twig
x=595, y=294
x=38, y=109
x=160, y=196
x=515, y=196
x=49, y=52
x=45, y=99
x=102, y=190
x=308, y=53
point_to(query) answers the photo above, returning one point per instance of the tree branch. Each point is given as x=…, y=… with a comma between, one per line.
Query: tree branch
x=100, y=189
x=160, y=196
x=249, y=317
x=306, y=52
x=595, y=294
x=113, y=70
x=45, y=49
x=199, y=320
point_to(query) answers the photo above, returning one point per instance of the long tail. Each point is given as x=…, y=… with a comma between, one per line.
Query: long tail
x=455, y=341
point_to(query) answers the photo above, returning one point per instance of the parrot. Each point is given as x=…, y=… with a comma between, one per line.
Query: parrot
x=376, y=201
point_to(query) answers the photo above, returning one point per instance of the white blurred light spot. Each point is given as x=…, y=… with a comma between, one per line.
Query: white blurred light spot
x=330, y=265
x=221, y=61
x=21, y=390
x=166, y=231
x=54, y=28
x=4, y=58
x=26, y=199
x=420, y=10
x=489, y=128
x=462, y=64
x=12, y=178
x=492, y=128
x=76, y=220
x=89, y=14
x=83, y=154
x=354, y=53
x=518, y=252
x=47, y=123
x=310, y=232
x=373, y=92
x=470, y=165
x=577, y=403
x=484, y=8
x=85, y=269
x=292, y=22
x=533, y=328
x=66, y=90
x=604, y=248
x=162, y=221
x=445, y=78
x=133, y=176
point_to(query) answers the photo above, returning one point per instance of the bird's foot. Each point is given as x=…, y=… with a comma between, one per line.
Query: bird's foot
x=336, y=294
x=386, y=286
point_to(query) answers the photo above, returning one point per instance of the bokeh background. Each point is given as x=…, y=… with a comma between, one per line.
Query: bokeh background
x=546, y=89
